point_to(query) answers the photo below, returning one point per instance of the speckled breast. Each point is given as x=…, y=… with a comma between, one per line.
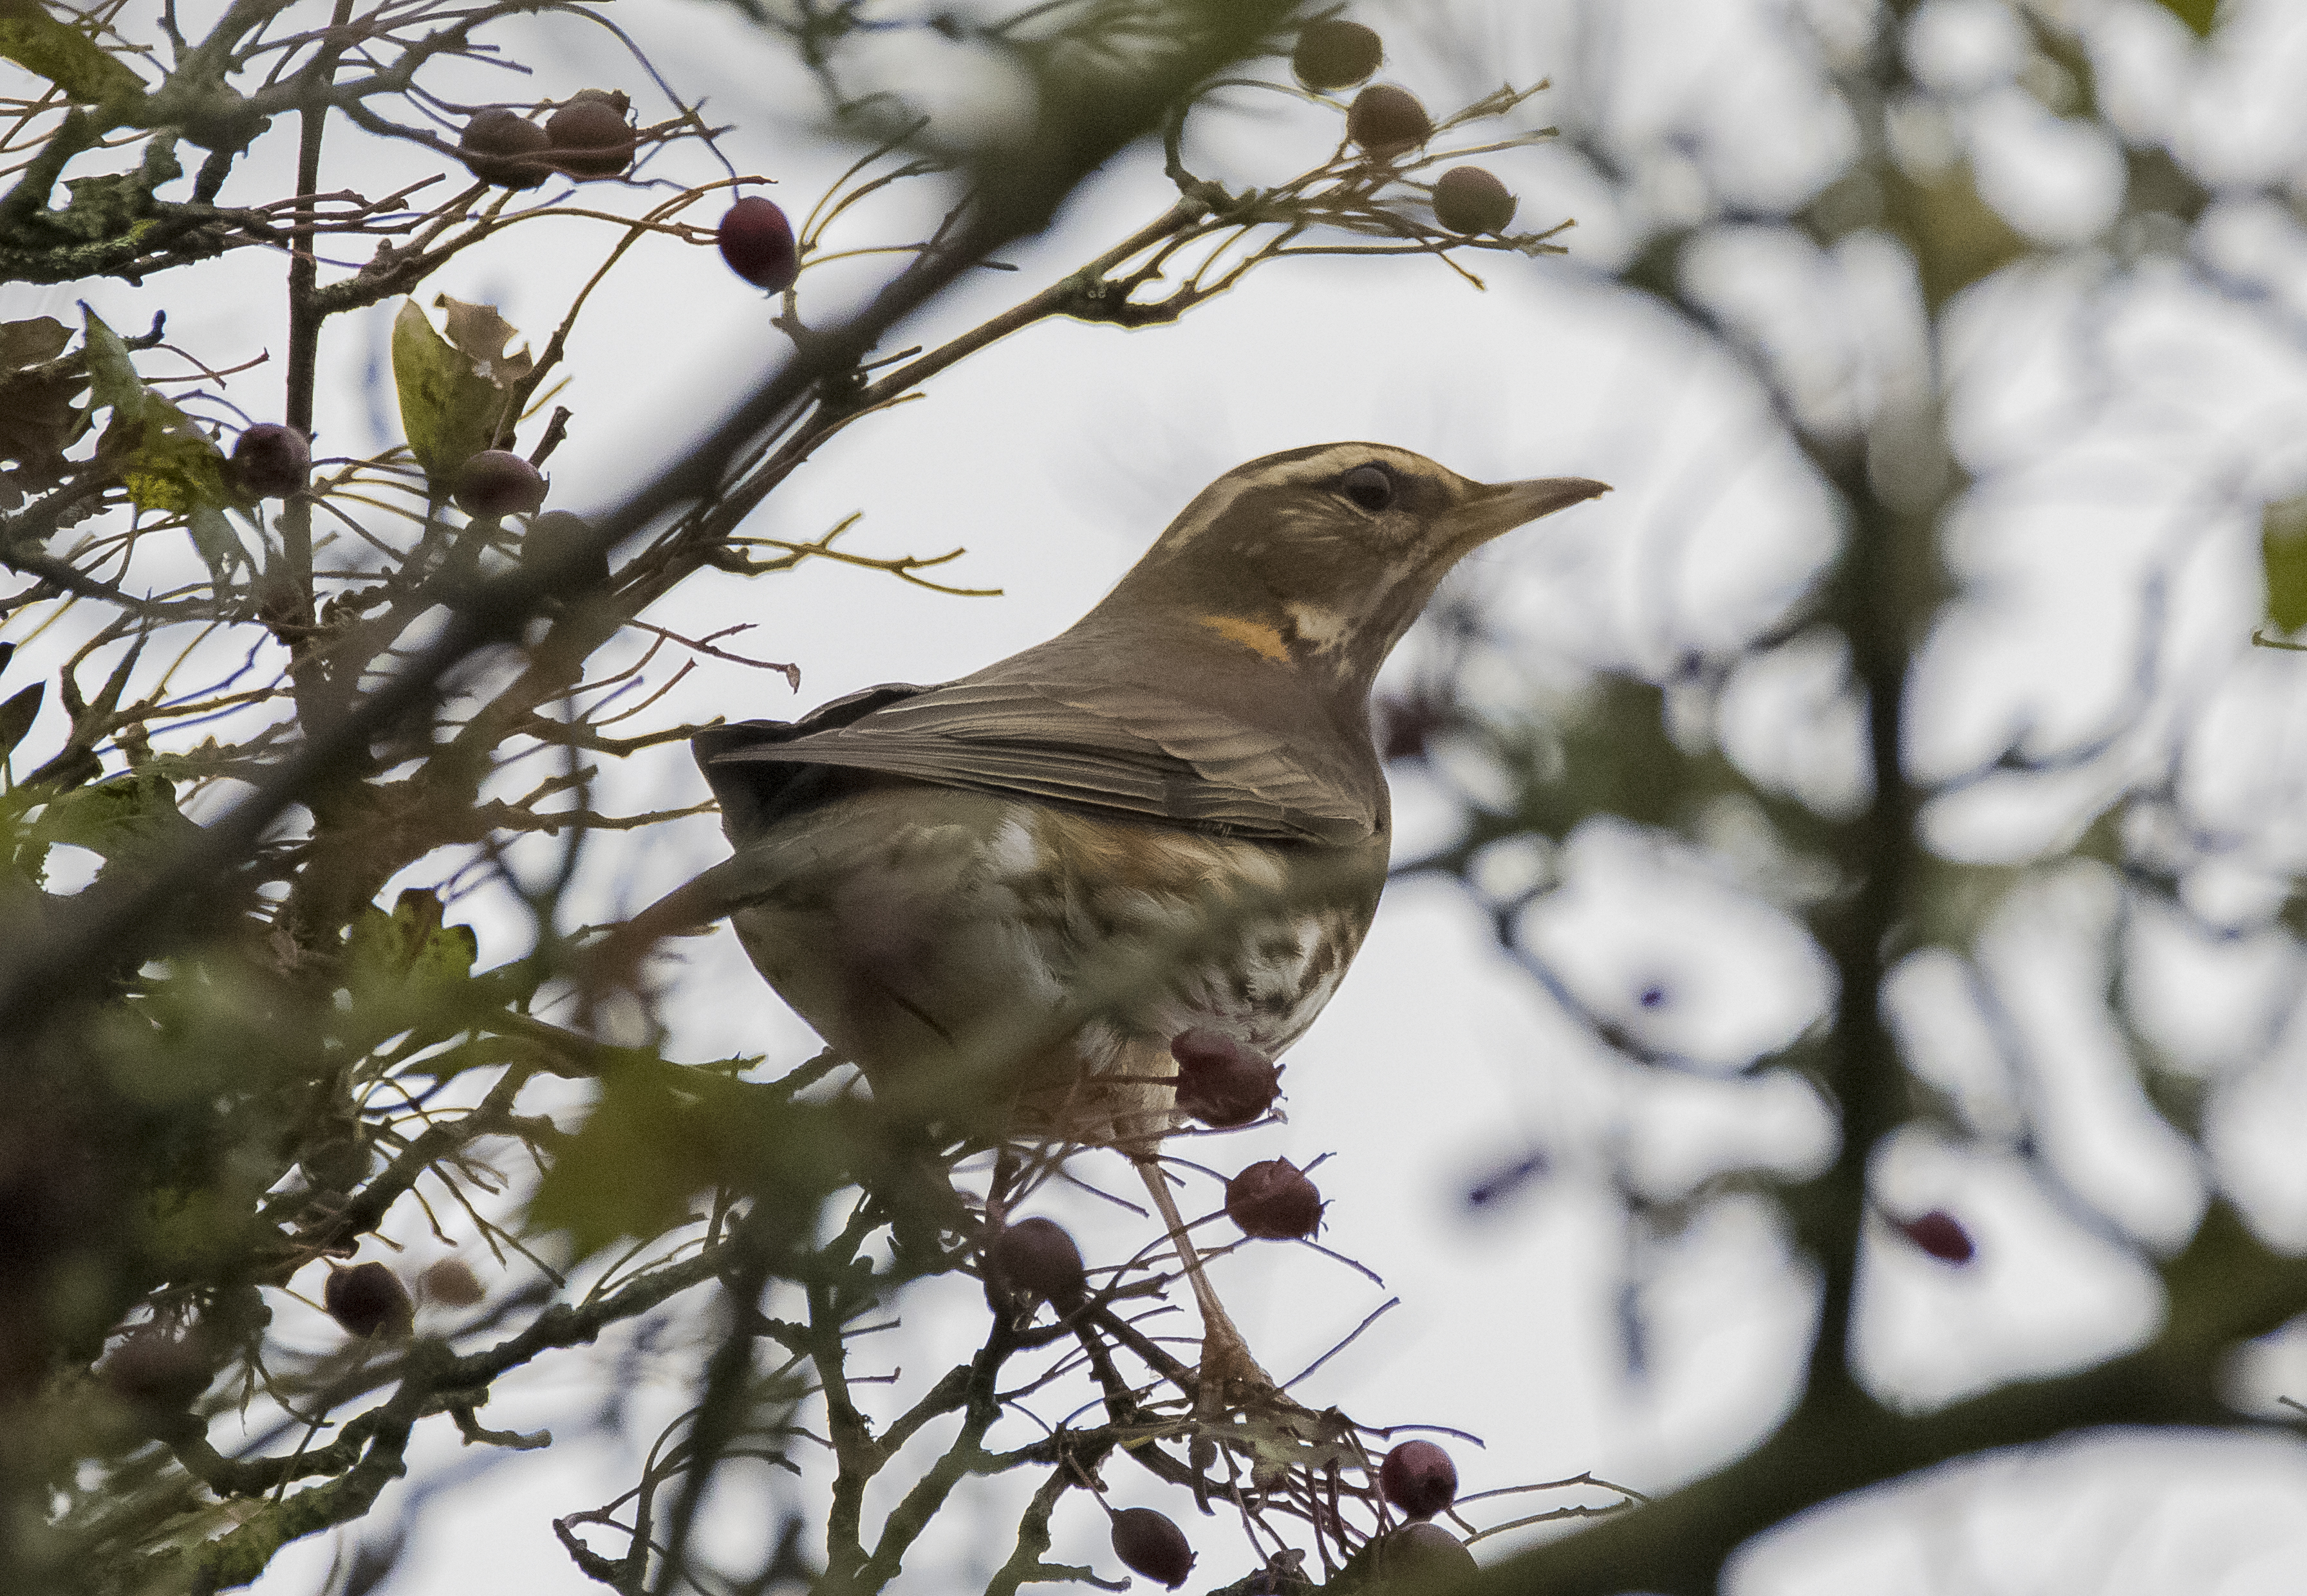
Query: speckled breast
x=1032, y=963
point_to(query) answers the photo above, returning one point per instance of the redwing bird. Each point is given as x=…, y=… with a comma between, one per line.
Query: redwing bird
x=1169, y=817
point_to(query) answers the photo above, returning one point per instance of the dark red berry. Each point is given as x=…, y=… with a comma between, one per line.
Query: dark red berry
x=1419, y=1478
x=1148, y=1543
x=271, y=461
x=1223, y=1082
x=1469, y=199
x=590, y=135
x=452, y=1283
x=507, y=149
x=155, y=1369
x=1273, y=1200
x=1386, y=121
x=366, y=1299
x=1036, y=1256
x=497, y=483
x=1940, y=1234
x=1336, y=55
x=563, y=547
x=1422, y=1554
x=757, y=241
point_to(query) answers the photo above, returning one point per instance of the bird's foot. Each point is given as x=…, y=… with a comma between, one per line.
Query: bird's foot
x=1230, y=1377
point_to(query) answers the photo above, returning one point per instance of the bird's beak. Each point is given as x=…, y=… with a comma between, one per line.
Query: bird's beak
x=1500, y=508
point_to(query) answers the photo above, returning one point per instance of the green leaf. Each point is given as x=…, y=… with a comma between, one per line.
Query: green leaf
x=213, y=535
x=113, y=383
x=64, y=54
x=453, y=400
x=663, y=1134
x=128, y=818
x=17, y=714
x=2200, y=15
x=2283, y=554
x=165, y=461
x=1964, y=240
x=631, y=1171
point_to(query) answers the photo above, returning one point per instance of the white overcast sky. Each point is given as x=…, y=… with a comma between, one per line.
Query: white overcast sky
x=1055, y=458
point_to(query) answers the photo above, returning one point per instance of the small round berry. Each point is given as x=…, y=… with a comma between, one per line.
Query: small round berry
x=497, y=482
x=271, y=461
x=507, y=149
x=1469, y=199
x=367, y=1299
x=561, y=544
x=1419, y=1478
x=1148, y=1543
x=155, y=1369
x=1274, y=1201
x=590, y=135
x=1035, y=1256
x=757, y=241
x=1940, y=1234
x=1386, y=121
x=1222, y=1081
x=1422, y=1554
x=452, y=1283
x=1335, y=53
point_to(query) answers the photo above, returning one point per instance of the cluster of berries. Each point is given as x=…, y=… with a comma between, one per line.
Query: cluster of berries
x=1224, y=1084
x=1387, y=122
x=589, y=135
x=1417, y=1478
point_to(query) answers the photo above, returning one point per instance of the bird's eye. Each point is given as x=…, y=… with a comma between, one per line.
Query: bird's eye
x=1368, y=487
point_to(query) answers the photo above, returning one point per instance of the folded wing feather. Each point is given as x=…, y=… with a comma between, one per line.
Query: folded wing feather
x=1106, y=747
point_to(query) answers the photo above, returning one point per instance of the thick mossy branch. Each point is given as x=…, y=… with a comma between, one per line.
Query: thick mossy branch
x=2226, y=1288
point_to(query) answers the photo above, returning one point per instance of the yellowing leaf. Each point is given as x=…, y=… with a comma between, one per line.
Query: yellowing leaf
x=31, y=341
x=173, y=467
x=453, y=402
x=37, y=416
x=166, y=462
x=410, y=945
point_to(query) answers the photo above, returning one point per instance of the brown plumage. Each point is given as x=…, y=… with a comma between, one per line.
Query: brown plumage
x=1170, y=816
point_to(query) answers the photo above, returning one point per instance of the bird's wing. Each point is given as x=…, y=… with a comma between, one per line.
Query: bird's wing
x=1096, y=746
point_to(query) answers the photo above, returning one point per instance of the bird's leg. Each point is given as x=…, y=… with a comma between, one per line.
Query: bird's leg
x=1227, y=1367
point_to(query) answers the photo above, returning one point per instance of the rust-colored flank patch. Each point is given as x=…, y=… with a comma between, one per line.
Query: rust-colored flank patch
x=1259, y=637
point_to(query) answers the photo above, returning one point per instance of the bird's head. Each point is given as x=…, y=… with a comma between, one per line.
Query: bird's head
x=1320, y=558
